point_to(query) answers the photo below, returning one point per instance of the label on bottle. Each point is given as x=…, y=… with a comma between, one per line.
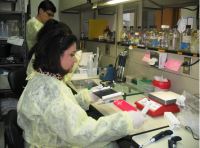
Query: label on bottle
x=186, y=39
x=185, y=45
x=154, y=43
x=175, y=35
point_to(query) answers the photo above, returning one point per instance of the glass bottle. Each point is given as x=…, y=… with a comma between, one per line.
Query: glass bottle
x=82, y=35
x=154, y=40
x=174, y=39
x=1, y=29
x=195, y=42
x=136, y=37
x=124, y=36
x=13, y=27
x=131, y=30
x=140, y=35
x=144, y=37
x=164, y=38
x=148, y=38
x=131, y=35
x=186, y=39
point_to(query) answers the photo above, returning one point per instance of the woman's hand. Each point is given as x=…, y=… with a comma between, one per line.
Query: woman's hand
x=137, y=118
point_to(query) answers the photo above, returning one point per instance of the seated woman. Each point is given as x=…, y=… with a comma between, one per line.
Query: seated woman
x=49, y=27
x=48, y=112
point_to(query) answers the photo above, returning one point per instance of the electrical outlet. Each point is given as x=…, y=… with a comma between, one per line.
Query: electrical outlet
x=186, y=69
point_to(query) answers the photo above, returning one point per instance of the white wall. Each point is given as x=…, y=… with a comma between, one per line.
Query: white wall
x=179, y=81
x=188, y=14
x=79, y=22
x=85, y=16
x=73, y=21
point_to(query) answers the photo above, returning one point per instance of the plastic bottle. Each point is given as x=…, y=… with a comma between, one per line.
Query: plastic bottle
x=90, y=65
x=186, y=38
x=96, y=59
x=174, y=39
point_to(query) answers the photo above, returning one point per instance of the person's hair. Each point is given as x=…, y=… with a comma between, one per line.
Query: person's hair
x=48, y=28
x=47, y=5
x=50, y=45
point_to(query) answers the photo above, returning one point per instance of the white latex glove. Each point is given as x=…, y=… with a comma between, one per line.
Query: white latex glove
x=93, y=96
x=96, y=88
x=137, y=118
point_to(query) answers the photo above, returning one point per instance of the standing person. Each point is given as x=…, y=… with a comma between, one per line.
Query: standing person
x=48, y=112
x=46, y=10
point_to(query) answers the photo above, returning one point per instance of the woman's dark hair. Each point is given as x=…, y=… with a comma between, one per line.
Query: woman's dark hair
x=47, y=5
x=50, y=45
x=48, y=28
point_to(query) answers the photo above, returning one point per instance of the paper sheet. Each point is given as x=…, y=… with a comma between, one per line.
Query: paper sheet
x=15, y=40
x=190, y=21
x=80, y=76
x=173, y=65
x=146, y=57
x=162, y=60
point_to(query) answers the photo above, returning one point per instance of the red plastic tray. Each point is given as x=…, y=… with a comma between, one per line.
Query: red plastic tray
x=123, y=105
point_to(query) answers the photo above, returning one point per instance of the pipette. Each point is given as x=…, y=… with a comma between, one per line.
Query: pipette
x=157, y=137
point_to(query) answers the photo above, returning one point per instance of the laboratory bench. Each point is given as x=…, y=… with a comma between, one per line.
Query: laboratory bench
x=151, y=123
x=187, y=140
x=151, y=127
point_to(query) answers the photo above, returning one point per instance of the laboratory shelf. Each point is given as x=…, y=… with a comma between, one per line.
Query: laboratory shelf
x=3, y=38
x=162, y=50
x=11, y=12
x=11, y=65
x=99, y=41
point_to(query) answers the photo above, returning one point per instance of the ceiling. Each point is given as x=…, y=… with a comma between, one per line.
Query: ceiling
x=169, y=3
x=130, y=6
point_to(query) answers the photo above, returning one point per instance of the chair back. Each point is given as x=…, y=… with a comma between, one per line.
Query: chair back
x=17, y=80
x=13, y=133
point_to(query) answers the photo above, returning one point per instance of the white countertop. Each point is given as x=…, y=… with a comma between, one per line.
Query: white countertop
x=186, y=142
